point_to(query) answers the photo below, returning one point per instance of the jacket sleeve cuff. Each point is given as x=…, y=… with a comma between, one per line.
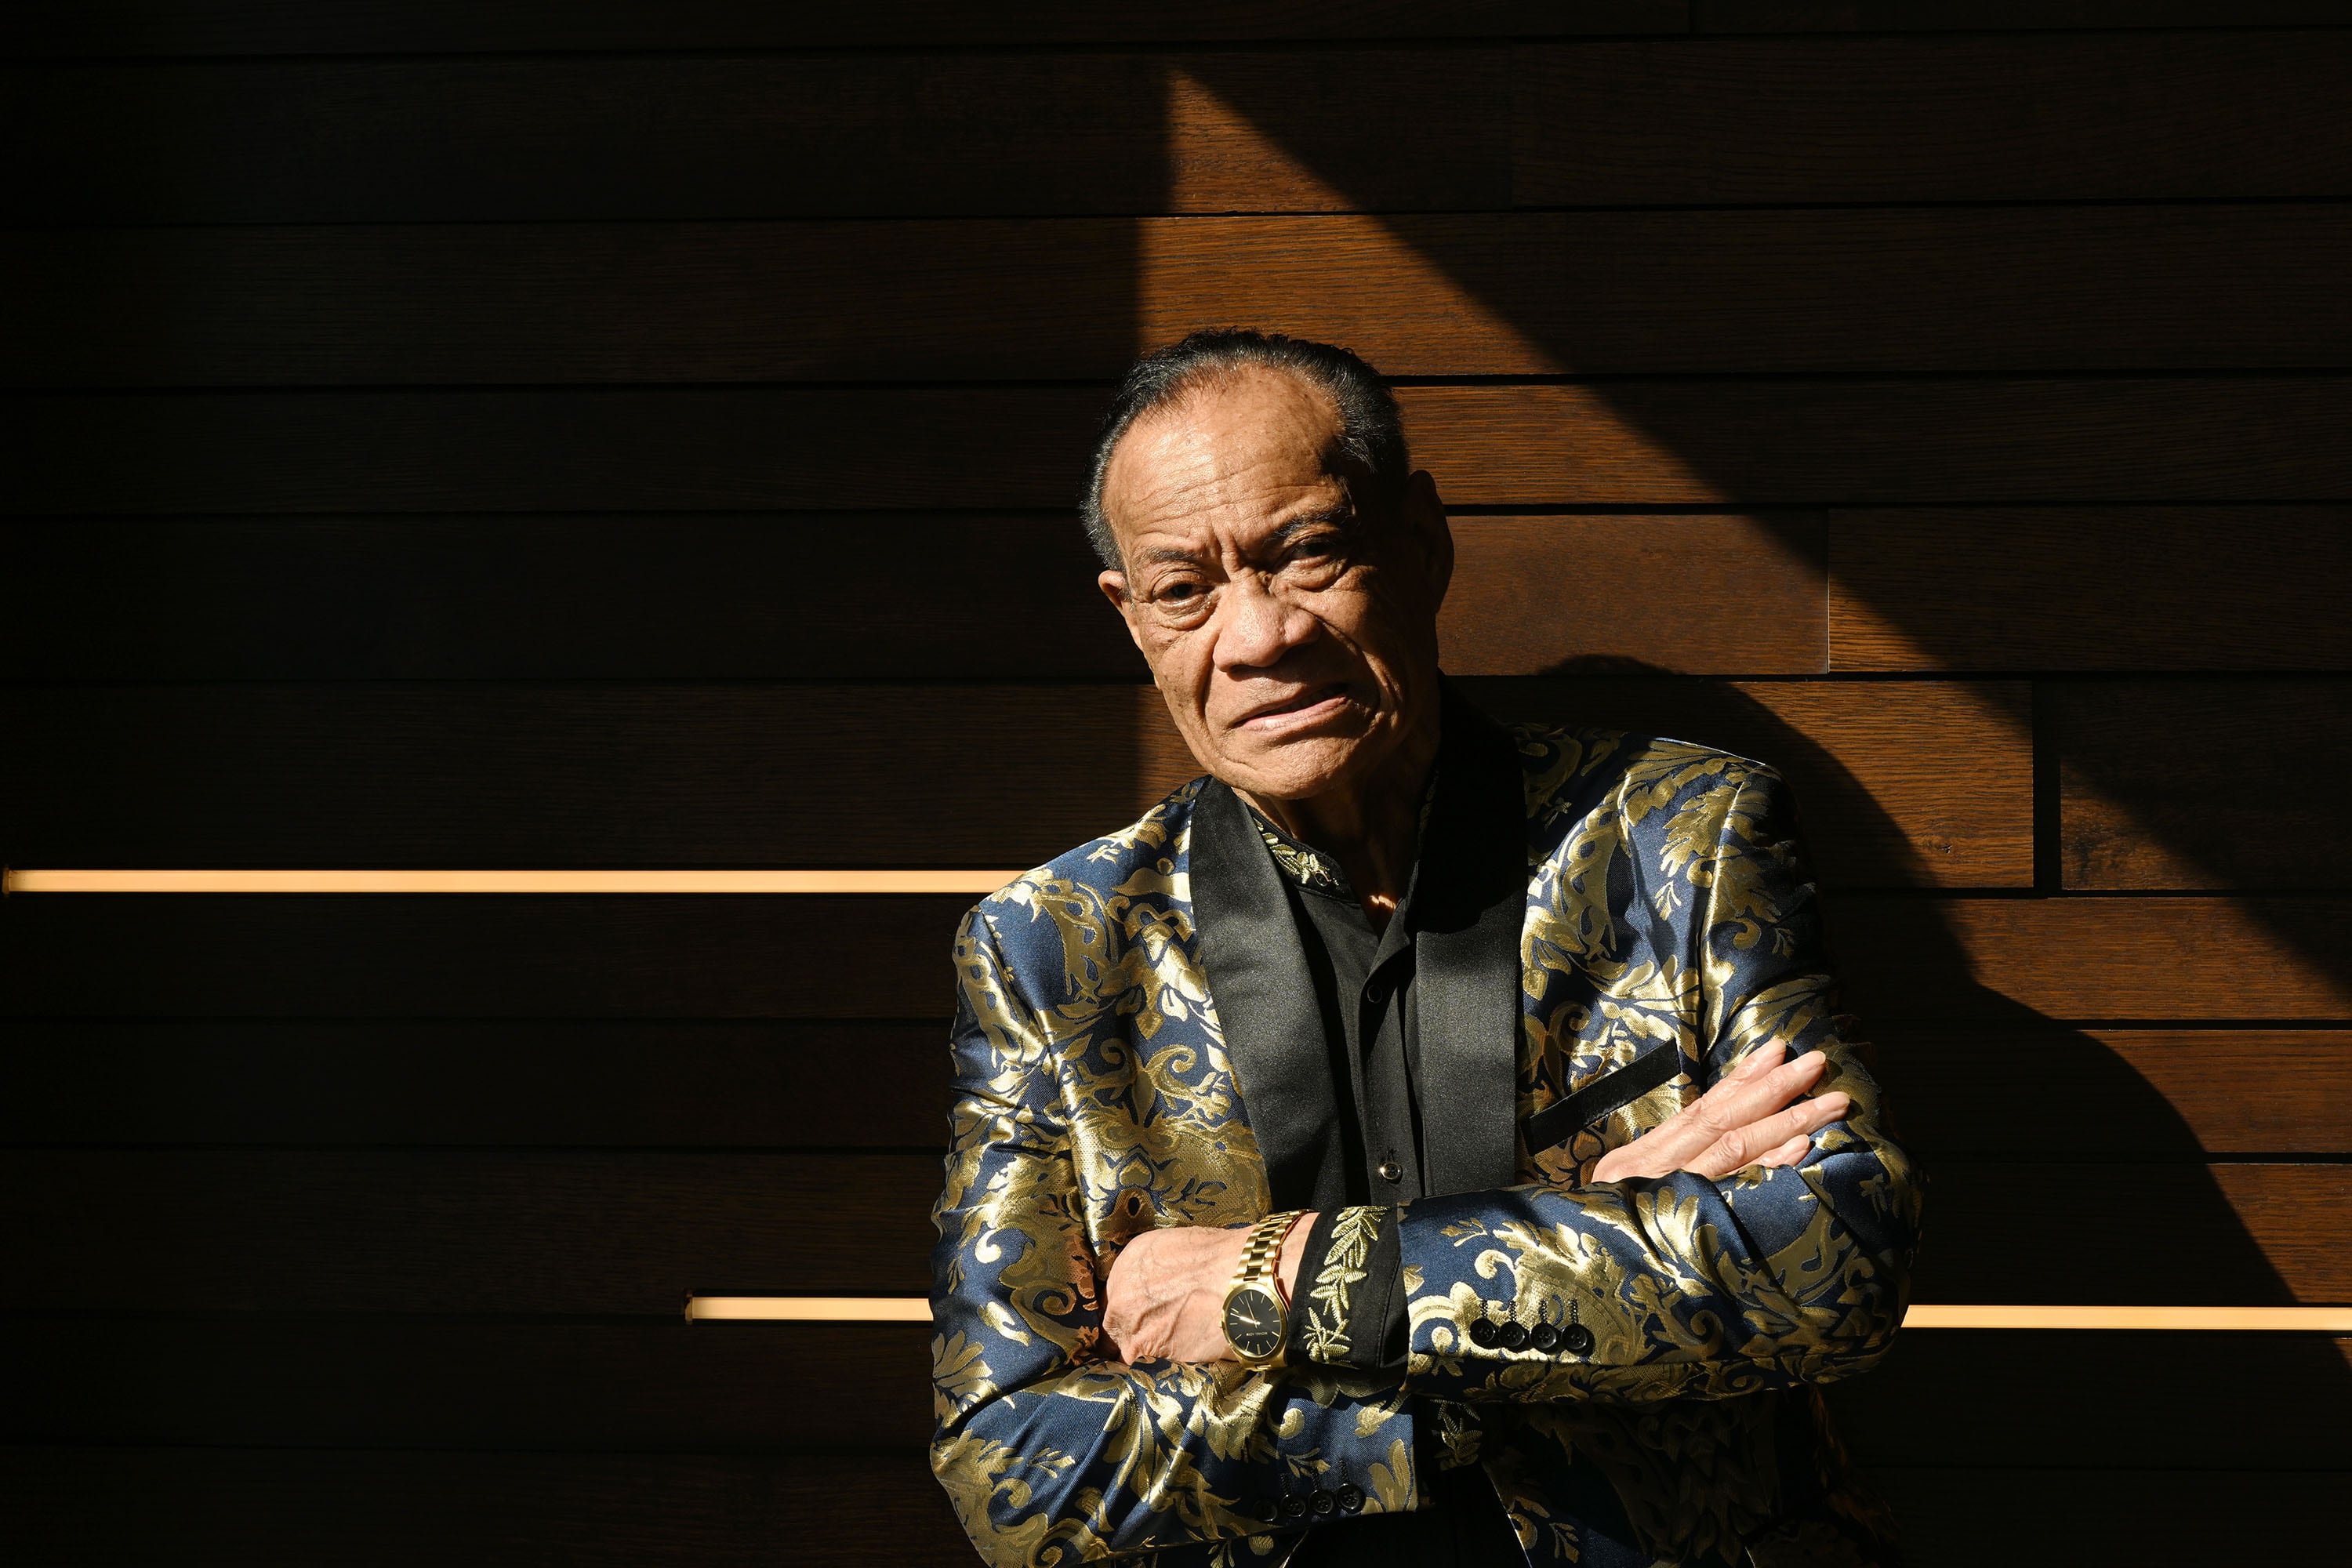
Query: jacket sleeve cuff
x=1350, y=1311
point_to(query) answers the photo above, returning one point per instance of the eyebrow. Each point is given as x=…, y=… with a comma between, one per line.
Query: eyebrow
x=1340, y=516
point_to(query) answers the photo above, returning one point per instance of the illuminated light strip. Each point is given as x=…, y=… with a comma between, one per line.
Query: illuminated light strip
x=808, y=1308
x=2306, y=1319
x=558, y=881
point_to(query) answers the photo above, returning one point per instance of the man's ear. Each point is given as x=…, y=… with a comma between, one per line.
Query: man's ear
x=1113, y=587
x=1423, y=516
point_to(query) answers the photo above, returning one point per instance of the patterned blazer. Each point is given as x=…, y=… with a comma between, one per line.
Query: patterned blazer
x=1137, y=1044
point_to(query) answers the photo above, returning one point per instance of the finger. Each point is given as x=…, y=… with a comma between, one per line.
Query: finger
x=1745, y=1145
x=1788, y=1153
x=1735, y=1102
x=1761, y=1059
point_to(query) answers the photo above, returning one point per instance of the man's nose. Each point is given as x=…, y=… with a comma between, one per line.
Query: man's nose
x=1254, y=627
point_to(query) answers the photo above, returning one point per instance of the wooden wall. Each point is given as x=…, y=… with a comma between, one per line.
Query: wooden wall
x=611, y=434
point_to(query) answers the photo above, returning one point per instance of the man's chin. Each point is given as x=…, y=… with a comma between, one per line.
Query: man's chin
x=1296, y=768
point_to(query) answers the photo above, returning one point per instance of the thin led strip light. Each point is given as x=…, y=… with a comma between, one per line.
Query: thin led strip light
x=2306, y=1319
x=558, y=881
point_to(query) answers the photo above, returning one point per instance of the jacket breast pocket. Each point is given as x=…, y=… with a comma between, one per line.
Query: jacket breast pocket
x=1613, y=1091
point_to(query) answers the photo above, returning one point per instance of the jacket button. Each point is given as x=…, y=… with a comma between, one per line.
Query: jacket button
x=1325, y=1504
x=1515, y=1336
x=1351, y=1498
x=1576, y=1340
x=1544, y=1337
x=1483, y=1332
x=1391, y=1171
x=1295, y=1506
x=1263, y=1509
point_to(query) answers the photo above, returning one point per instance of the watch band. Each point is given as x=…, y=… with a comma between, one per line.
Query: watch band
x=1262, y=1253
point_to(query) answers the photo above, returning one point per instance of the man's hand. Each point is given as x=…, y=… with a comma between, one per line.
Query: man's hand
x=1165, y=1300
x=1745, y=1119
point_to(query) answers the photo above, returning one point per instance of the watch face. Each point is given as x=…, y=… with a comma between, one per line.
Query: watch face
x=1253, y=1323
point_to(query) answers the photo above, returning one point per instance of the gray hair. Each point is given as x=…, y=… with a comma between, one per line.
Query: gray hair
x=1371, y=427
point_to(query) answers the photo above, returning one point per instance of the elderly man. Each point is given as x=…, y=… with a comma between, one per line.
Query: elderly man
x=1415, y=1143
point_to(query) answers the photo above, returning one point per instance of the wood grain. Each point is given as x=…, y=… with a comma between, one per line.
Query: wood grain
x=2158, y=787
x=2084, y=116
x=2129, y=1094
x=867, y=774
x=1706, y=594
x=574, y=137
x=2005, y=589
x=606, y=1232
x=265, y=1381
x=729, y=597
x=1669, y=443
x=2024, y=289
x=387, y=1509
x=667, y=1083
x=136, y=28
x=2027, y=961
x=1684, y=444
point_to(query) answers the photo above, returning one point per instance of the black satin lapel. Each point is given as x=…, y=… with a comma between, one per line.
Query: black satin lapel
x=1469, y=904
x=1273, y=1025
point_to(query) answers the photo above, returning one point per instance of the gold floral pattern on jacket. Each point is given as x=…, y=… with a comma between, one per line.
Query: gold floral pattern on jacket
x=1666, y=901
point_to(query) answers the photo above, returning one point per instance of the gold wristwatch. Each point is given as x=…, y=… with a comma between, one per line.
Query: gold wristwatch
x=1257, y=1313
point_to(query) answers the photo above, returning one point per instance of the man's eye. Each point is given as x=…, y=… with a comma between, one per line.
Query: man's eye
x=1177, y=593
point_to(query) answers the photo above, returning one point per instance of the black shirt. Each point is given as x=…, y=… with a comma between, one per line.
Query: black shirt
x=1364, y=994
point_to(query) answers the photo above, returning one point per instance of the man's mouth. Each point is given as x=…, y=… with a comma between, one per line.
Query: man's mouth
x=1275, y=715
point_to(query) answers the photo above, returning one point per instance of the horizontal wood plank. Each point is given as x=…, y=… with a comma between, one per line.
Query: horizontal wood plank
x=2168, y=588
x=366, y=1231
x=1668, y=443
x=1690, y=444
x=1963, y=289
x=2030, y=1399
x=2078, y=116
x=2089, y=1512
x=2160, y=1093
x=2017, y=962
x=605, y=1233
x=463, y=957
x=388, y=1508
x=701, y=596
x=2142, y=115
x=2154, y=791
x=575, y=137
x=2026, y=961
x=1938, y=16
x=685, y=1084
x=860, y=775
x=1973, y=1094
x=139, y=27
x=263, y=1380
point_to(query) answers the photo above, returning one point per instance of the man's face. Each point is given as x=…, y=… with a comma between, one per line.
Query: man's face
x=1290, y=619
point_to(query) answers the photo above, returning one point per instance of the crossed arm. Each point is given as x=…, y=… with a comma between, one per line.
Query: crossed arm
x=1165, y=1298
